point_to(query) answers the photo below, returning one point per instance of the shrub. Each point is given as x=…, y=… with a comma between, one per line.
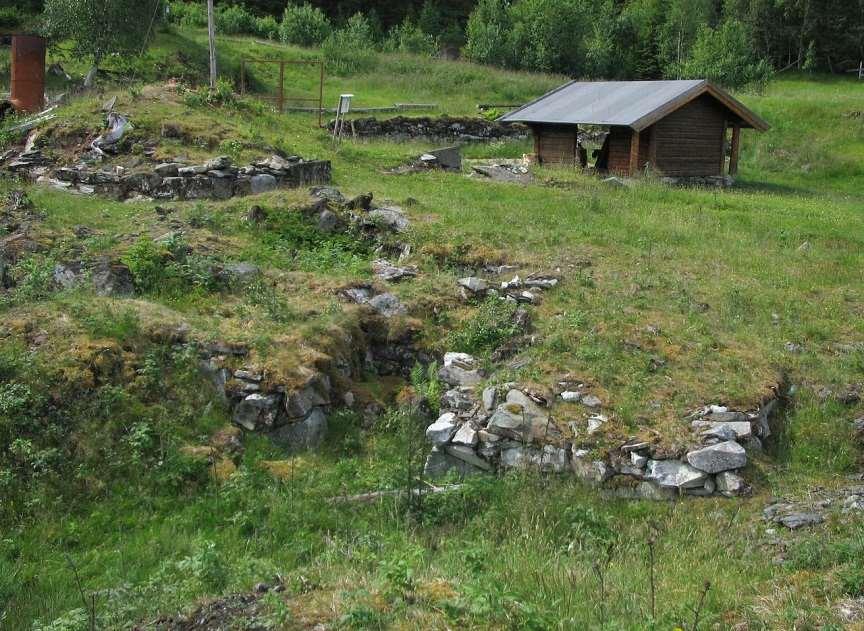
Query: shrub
x=350, y=49
x=304, y=25
x=492, y=325
x=222, y=95
x=146, y=260
x=234, y=20
x=34, y=278
x=267, y=27
x=409, y=38
x=190, y=14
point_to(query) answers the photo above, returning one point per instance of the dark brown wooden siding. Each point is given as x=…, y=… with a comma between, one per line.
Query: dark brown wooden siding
x=555, y=145
x=689, y=142
x=619, y=149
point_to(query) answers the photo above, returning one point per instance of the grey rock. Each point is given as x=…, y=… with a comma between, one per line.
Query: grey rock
x=257, y=411
x=596, y=422
x=796, y=520
x=198, y=169
x=440, y=463
x=721, y=415
x=591, y=401
x=328, y=221
x=442, y=430
x=67, y=275
x=112, y=278
x=301, y=435
x=167, y=169
x=390, y=273
x=529, y=406
x=392, y=218
x=449, y=158
x=638, y=460
x=571, y=396
x=314, y=393
x=733, y=430
x=730, y=484
x=491, y=394
x=360, y=295
x=466, y=435
x=262, y=183
x=674, y=474
x=218, y=163
x=651, y=491
x=720, y=457
x=460, y=399
x=458, y=376
x=588, y=469
x=387, y=305
x=247, y=375
x=328, y=193
x=509, y=421
x=473, y=284
x=467, y=454
x=217, y=375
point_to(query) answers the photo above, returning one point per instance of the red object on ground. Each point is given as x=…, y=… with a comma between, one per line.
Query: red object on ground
x=28, y=73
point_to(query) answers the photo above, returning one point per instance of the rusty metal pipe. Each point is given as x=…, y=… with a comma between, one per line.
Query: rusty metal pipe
x=28, y=73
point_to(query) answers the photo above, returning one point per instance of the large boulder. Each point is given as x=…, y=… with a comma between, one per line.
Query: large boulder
x=439, y=463
x=391, y=218
x=720, y=457
x=301, y=435
x=509, y=421
x=257, y=411
x=460, y=369
x=674, y=474
x=441, y=431
x=112, y=278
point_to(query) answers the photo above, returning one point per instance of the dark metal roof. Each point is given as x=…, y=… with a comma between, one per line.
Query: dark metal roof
x=634, y=104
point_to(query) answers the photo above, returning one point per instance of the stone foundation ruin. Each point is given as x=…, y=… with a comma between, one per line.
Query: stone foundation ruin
x=215, y=179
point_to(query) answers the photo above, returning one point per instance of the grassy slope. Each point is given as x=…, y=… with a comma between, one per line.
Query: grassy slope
x=498, y=555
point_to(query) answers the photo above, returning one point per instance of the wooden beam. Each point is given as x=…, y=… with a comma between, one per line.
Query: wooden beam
x=634, y=153
x=736, y=146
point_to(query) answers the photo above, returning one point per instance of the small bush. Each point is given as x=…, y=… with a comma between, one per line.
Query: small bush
x=146, y=259
x=189, y=14
x=221, y=96
x=492, y=325
x=234, y=20
x=409, y=38
x=351, y=49
x=267, y=27
x=304, y=25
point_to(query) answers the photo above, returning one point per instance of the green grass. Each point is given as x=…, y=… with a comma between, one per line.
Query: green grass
x=726, y=277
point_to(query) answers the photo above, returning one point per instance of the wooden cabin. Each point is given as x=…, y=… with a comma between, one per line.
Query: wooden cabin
x=670, y=128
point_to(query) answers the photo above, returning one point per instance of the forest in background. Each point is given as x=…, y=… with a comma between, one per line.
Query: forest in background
x=734, y=42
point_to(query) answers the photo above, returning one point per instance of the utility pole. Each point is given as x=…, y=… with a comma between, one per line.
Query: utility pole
x=211, y=34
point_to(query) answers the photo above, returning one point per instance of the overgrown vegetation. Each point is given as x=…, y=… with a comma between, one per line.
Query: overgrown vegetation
x=670, y=298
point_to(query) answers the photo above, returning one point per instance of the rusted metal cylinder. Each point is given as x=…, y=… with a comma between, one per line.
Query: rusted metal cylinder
x=28, y=73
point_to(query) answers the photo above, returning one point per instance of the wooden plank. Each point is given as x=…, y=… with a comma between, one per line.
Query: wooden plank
x=634, y=153
x=736, y=146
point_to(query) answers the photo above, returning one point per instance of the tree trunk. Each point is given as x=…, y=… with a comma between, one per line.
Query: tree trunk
x=211, y=35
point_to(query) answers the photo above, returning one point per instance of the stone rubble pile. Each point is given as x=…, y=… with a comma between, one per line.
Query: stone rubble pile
x=507, y=426
x=433, y=128
x=814, y=509
x=217, y=178
x=526, y=290
x=293, y=417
